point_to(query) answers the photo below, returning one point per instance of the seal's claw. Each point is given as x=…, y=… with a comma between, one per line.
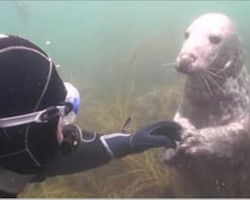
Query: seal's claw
x=170, y=157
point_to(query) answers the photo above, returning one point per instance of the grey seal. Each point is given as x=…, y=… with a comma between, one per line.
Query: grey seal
x=213, y=158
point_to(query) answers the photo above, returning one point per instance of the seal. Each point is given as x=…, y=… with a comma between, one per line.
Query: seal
x=213, y=157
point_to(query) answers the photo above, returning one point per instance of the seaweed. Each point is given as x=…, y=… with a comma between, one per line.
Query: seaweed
x=135, y=176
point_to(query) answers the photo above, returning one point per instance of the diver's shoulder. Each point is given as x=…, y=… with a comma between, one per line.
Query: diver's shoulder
x=7, y=41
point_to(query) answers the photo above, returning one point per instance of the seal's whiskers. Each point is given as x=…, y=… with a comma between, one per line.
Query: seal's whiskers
x=201, y=75
x=218, y=110
x=209, y=77
x=221, y=70
x=169, y=64
x=214, y=74
x=218, y=71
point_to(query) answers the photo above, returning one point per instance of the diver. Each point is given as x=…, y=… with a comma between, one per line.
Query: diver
x=38, y=137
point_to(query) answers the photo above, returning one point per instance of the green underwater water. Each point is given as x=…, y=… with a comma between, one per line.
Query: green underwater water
x=92, y=37
x=113, y=51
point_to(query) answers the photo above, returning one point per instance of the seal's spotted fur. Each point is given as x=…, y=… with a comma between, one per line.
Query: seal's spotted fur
x=213, y=157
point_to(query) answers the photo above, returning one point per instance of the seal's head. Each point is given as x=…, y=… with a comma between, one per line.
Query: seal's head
x=211, y=43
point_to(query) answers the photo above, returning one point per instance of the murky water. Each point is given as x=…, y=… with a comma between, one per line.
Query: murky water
x=95, y=36
x=90, y=41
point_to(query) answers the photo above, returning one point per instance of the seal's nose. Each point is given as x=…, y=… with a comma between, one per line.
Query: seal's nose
x=185, y=63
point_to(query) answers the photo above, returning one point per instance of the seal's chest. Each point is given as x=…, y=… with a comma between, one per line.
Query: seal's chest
x=211, y=115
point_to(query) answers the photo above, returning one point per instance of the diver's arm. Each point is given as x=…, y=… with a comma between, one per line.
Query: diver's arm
x=94, y=150
x=89, y=153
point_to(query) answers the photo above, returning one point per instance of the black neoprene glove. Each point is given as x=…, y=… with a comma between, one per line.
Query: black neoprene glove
x=159, y=134
x=82, y=150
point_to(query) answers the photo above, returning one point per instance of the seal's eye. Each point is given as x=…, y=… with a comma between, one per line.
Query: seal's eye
x=186, y=35
x=214, y=39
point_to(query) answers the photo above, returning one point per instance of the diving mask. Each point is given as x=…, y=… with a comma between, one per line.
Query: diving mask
x=72, y=97
x=67, y=111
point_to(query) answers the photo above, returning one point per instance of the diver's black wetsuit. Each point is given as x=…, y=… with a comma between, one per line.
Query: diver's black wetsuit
x=83, y=150
x=87, y=155
x=7, y=195
x=29, y=83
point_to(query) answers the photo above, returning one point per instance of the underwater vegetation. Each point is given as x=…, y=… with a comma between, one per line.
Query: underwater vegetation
x=136, y=176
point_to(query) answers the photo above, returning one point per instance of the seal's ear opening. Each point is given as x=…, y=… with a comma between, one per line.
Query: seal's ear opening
x=29, y=82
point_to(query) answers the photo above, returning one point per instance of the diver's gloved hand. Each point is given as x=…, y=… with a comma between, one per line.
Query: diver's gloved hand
x=160, y=134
